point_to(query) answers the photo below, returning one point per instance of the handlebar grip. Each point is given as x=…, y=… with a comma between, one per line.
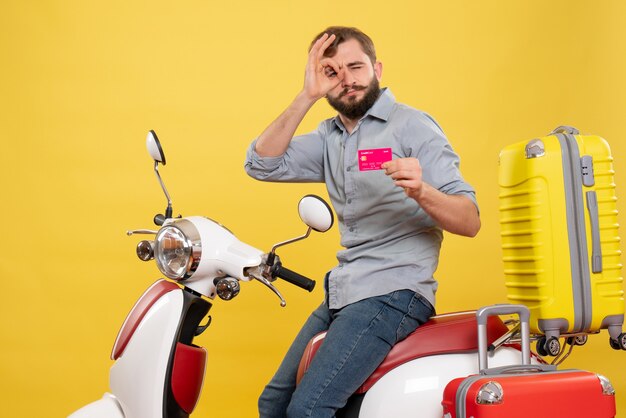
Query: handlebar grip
x=294, y=278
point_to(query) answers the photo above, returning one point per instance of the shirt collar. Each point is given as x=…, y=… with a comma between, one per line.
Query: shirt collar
x=381, y=109
x=383, y=106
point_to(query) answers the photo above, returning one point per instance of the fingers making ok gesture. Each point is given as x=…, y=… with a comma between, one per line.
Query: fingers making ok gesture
x=322, y=74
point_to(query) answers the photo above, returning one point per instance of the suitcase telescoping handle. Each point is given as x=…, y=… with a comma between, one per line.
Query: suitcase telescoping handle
x=481, y=318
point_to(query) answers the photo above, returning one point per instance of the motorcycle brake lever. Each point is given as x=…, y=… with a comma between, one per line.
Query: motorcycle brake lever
x=266, y=282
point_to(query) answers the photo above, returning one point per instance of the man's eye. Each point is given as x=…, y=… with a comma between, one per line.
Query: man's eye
x=330, y=72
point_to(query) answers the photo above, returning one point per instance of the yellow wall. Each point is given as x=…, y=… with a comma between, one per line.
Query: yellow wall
x=82, y=82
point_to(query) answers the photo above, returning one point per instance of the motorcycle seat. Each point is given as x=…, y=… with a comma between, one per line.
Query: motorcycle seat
x=442, y=334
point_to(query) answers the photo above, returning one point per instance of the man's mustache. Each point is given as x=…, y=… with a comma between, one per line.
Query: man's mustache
x=354, y=87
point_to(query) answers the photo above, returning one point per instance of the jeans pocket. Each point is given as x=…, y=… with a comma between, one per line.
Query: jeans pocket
x=418, y=312
x=426, y=310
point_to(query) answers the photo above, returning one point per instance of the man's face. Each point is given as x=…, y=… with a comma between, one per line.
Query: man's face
x=359, y=88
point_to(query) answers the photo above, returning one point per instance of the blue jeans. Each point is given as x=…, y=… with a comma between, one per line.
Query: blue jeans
x=358, y=338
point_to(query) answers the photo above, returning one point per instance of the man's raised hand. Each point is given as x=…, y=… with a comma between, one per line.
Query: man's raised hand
x=322, y=73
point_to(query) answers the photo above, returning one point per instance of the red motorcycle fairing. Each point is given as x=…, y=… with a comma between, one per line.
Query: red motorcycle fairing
x=187, y=375
x=442, y=334
x=142, y=306
x=187, y=363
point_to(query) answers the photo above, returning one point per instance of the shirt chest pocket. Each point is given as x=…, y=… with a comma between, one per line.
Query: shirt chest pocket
x=373, y=184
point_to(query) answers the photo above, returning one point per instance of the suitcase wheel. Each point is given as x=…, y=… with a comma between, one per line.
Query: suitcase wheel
x=619, y=343
x=577, y=340
x=549, y=347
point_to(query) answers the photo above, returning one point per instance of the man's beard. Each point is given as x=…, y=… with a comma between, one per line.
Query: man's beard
x=355, y=109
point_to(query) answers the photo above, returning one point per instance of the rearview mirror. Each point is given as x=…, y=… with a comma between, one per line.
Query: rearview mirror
x=154, y=147
x=156, y=152
x=316, y=213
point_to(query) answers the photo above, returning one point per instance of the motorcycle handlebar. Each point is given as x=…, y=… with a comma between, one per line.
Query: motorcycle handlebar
x=294, y=278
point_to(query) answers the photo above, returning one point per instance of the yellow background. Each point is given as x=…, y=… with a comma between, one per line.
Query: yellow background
x=81, y=83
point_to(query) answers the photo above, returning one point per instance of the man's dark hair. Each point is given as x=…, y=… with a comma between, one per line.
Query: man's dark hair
x=344, y=33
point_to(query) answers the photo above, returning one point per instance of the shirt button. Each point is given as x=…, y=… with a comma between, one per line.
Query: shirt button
x=349, y=168
x=351, y=229
x=349, y=200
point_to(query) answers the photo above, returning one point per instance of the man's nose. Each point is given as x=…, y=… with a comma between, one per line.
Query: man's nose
x=348, y=79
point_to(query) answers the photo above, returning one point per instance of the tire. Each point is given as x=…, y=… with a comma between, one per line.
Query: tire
x=541, y=350
x=553, y=346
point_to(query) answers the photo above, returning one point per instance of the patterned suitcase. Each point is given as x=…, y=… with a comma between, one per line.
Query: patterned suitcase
x=526, y=390
x=560, y=241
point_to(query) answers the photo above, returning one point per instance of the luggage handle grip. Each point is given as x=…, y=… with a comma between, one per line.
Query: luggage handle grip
x=565, y=129
x=596, y=248
x=505, y=309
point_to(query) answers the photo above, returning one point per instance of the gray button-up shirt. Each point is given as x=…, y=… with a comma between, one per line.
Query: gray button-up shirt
x=390, y=242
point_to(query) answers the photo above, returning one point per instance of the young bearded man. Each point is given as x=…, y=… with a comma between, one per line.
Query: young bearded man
x=391, y=217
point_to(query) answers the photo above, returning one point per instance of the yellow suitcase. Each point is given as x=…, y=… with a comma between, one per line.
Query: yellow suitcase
x=560, y=241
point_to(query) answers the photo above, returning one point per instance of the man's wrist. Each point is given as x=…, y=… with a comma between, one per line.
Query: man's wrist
x=305, y=99
x=420, y=195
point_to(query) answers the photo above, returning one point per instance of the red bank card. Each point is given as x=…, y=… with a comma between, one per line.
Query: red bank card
x=372, y=159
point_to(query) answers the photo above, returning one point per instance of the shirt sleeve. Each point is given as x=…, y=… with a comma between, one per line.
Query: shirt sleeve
x=303, y=162
x=440, y=164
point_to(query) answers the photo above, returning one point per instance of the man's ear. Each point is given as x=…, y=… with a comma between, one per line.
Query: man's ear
x=378, y=70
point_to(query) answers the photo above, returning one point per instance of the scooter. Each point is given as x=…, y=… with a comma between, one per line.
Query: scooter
x=159, y=372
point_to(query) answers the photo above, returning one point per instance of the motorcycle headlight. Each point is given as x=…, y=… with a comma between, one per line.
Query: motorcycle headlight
x=177, y=250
